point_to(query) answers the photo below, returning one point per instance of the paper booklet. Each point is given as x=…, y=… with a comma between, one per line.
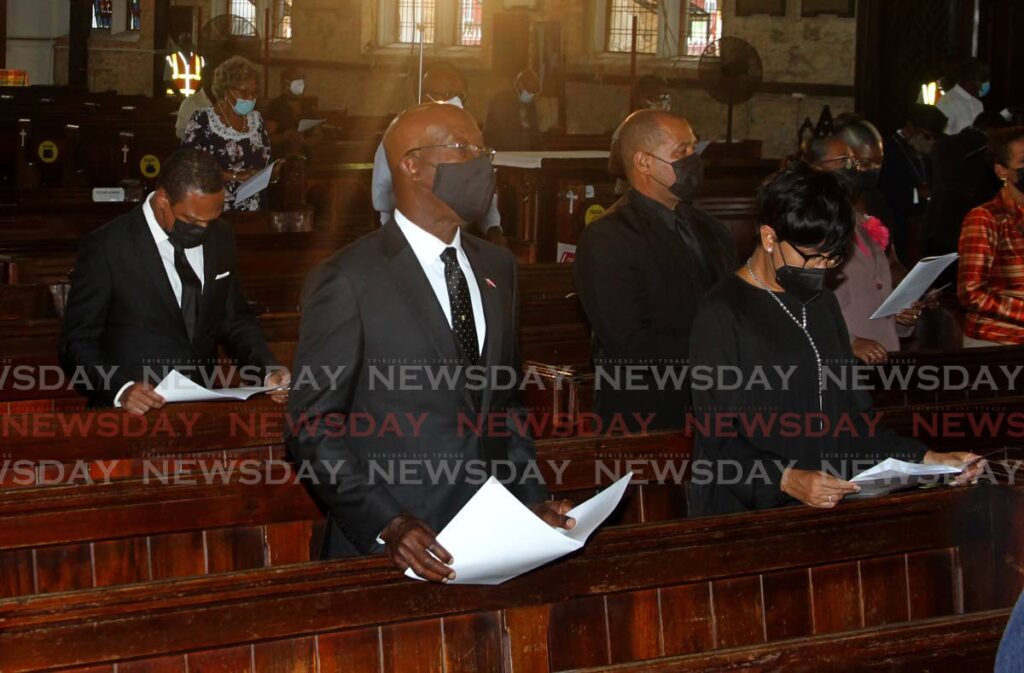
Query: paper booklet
x=179, y=388
x=307, y=124
x=914, y=285
x=256, y=183
x=892, y=475
x=495, y=537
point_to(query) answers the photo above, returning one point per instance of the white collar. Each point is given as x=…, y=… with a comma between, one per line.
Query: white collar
x=428, y=248
x=159, y=235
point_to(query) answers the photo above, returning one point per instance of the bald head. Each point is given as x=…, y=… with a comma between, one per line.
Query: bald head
x=645, y=131
x=418, y=141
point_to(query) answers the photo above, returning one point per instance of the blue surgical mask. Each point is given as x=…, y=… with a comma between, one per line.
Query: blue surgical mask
x=243, y=106
x=986, y=87
x=526, y=97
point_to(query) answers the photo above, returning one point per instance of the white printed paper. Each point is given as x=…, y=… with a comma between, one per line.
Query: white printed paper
x=494, y=537
x=179, y=388
x=256, y=183
x=892, y=475
x=914, y=285
x=307, y=124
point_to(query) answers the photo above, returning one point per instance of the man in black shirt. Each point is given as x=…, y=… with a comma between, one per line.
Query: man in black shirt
x=284, y=114
x=642, y=268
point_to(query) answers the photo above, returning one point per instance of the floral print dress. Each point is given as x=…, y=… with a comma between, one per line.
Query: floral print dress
x=233, y=150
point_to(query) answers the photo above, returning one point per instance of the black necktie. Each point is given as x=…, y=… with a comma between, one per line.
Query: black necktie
x=191, y=289
x=463, y=323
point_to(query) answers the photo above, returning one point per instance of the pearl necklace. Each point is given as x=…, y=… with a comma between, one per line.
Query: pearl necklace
x=802, y=324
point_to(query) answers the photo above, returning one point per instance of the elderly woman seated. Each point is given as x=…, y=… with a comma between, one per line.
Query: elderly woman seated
x=797, y=435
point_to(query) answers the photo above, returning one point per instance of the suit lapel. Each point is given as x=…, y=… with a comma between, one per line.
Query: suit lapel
x=153, y=269
x=493, y=313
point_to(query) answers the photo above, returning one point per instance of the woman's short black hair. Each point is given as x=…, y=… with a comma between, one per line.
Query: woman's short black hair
x=999, y=145
x=807, y=207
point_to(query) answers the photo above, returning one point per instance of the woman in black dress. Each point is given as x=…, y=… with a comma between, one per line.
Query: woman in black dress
x=773, y=440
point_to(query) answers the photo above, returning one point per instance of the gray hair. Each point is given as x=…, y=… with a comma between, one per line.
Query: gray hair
x=232, y=73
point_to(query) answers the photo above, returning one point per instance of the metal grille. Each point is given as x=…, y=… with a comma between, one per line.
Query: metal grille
x=470, y=25
x=411, y=13
x=245, y=9
x=702, y=25
x=620, y=26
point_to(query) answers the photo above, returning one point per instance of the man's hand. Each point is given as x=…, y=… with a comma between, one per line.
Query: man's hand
x=496, y=236
x=279, y=377
x=974, y=463
x=869, y=351
x=816, y=489
x=139, y=398
x=553, y=513
x=410, y=543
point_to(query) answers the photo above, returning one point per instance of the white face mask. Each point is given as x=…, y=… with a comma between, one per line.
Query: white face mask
x=297, y=86
x=526, y=96
x=456, y=101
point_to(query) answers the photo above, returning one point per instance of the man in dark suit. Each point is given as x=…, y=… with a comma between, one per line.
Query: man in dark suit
x=512, y=121
x=906, y=173
x=417, y=297
x=158, y=289
x=642, y=268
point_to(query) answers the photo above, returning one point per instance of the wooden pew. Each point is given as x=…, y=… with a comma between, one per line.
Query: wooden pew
x=635, y=593
x=176, y=521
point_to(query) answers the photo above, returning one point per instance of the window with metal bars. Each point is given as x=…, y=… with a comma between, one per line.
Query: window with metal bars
x=245, y=9
x=619, y=36
x=702, y=25
x=411, y=15
x=470, y=23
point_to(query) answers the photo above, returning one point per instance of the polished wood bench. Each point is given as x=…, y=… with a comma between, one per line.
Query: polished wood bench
x=635, y=593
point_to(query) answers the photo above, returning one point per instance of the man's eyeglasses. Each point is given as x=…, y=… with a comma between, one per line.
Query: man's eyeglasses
x=444, y=96
x=465, y=151
x=846, y=161
x=820, y=261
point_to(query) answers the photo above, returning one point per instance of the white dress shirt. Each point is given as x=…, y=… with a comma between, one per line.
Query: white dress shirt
x=961, y=108
x=194, y=256
x=428, y=249
x=166, y=250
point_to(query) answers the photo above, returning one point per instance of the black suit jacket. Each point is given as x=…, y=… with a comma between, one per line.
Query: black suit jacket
x=903, y=171
x=367, y=312
x=640, y=290
x=122, y=315
x=505, y=131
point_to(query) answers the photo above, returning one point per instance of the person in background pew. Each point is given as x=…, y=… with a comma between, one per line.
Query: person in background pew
x=641, y=269
x=906, y=171
x=650, y=92
x=962, y=104
x=232, y=131
x=284, y=114
x=864, y=279
x=774, y=314
x=990, y=280
x=414, y=292
x=512, y=121
x=158, y=287
x=442, y=83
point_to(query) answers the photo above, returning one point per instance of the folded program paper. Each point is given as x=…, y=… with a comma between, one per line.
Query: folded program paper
x=494, y=537
x=892, y=475
x=179, y=388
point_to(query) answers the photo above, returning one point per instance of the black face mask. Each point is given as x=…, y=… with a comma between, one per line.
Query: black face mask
x=689, y=177
x=804, y=285
x=870, y=179
x=188, y=235
x=467, y=188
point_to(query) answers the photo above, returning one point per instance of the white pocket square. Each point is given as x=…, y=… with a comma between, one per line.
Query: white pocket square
x=223, y=275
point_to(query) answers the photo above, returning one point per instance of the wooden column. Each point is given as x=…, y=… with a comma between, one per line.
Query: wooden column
x=79, y=25
x=3, y=33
